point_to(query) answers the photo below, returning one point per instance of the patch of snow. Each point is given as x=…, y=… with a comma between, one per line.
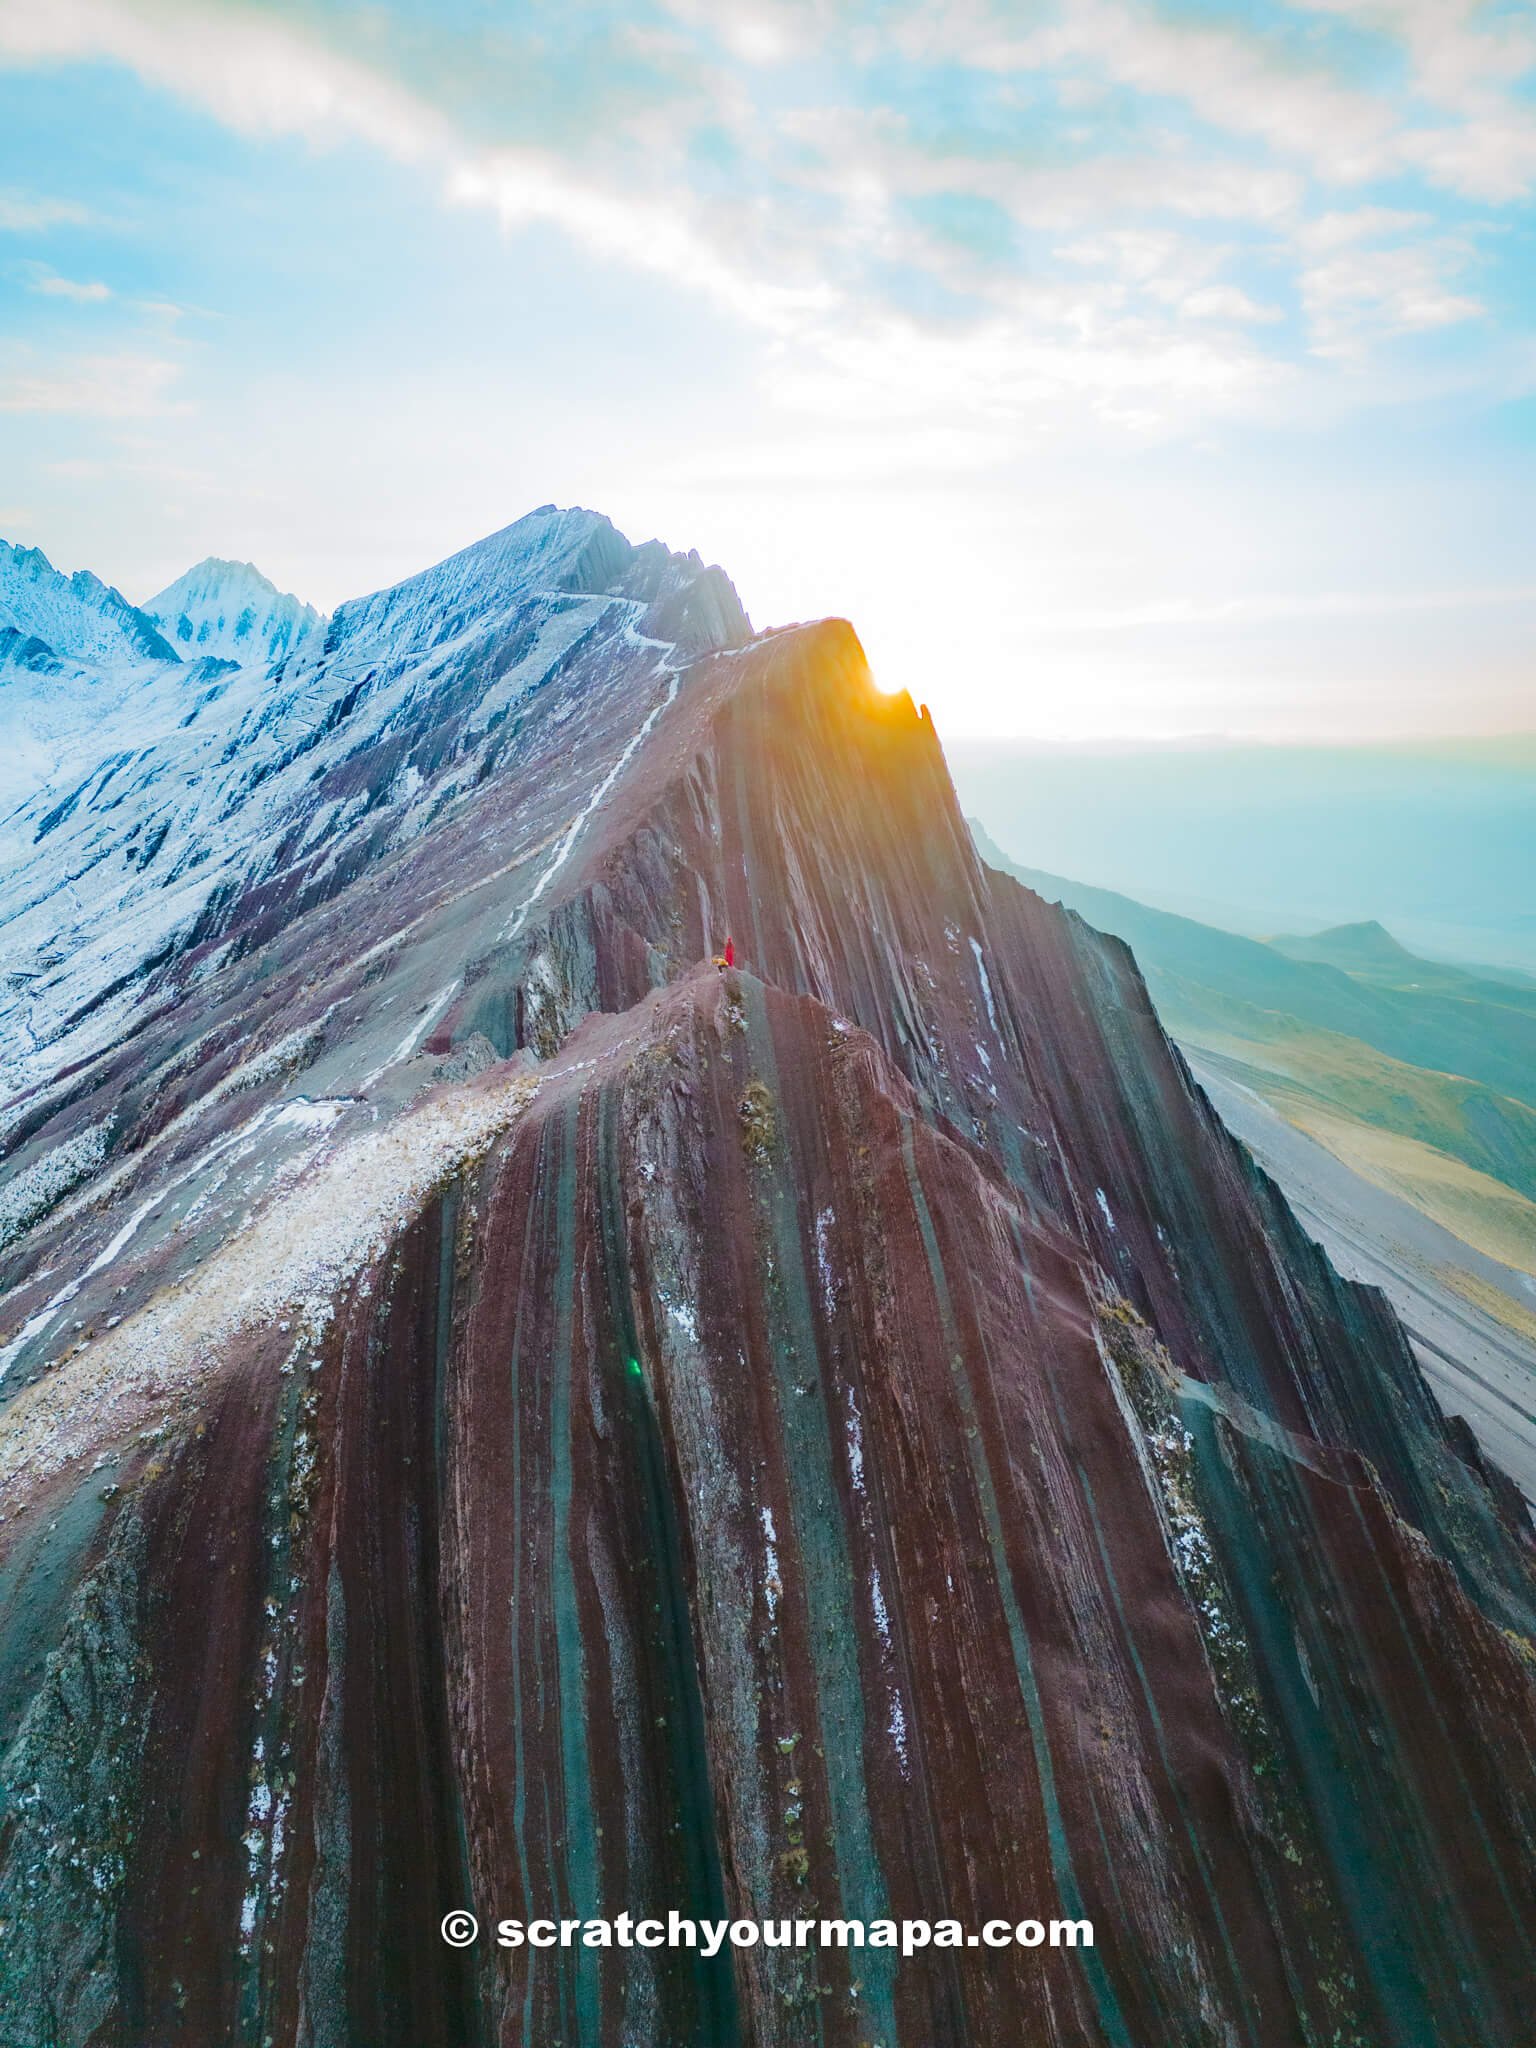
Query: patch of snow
x=413, y=1037
x=572, y=832
x=986, y=986
x=33, y=1192
x=824, y=1222
x=682, y=1314
x=773, y=1586
x=881, y=1613
x=855, y=1446
x=896, y=1728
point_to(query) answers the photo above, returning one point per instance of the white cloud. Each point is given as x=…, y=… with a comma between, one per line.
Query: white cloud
x=645, y=232
x=250, y=69
x=1048, y=362
x=1160, y=328
x=1361, y=296
x=1227, y=302
x=102, y=386
x=52, y=286
x=1359, y=224
x=1233, y=79
x=26, y=213
x=756, y=31
x=263, y=75
x=1473, y=134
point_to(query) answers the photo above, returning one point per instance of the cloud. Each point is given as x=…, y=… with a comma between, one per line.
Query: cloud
x=1110, y=210
x=1463, y=127
x=1362, y=296
x=1227, y=302
x=1231, y=78
x=250, y=69
x=756, y=31
x=26, y=213
x=121, y=386
x=264, y=75
x=1374, y=274
x=1359, y=224
x=52, y=286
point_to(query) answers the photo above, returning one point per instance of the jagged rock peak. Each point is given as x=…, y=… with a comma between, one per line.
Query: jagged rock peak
x=557, y=551
x=78, y=617
x=230, y=611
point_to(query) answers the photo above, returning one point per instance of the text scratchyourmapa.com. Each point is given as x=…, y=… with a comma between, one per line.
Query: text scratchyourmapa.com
x=909, y=1937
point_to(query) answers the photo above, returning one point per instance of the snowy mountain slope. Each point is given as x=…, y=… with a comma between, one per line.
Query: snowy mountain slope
x=231, y=611
x=575, y=552
x=73, y=652
x=209, y=788
x=78, y=617
x=51, y=713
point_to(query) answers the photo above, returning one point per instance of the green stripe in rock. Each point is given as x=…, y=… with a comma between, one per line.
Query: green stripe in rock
x=580, y=1825
x=1255, y=1522
x=821, y=1541
x=716, y=2023
x=1110, y=2016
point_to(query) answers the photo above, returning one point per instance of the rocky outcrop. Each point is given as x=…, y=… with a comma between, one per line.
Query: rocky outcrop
x=849, y=1437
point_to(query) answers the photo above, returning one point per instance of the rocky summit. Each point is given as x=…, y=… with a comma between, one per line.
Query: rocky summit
x=504, y=1411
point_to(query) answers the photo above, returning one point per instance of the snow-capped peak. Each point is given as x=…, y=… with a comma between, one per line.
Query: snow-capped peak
x=233, y=612
x=558, y=551
x=76, y=618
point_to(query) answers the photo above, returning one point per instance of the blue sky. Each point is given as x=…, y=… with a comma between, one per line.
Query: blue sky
x=1118, y=368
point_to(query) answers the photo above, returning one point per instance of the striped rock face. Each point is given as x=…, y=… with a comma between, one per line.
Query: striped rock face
x=504, y=1414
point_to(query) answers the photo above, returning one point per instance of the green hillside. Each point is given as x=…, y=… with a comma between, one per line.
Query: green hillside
x=1349, y=1033
x=1483, y=1031
x=1368, y=952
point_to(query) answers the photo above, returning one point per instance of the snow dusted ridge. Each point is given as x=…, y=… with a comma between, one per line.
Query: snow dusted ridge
x=197, y=785
x=191, y=809
x=72, y=650
x=246, y=903
x=333, y=1216
x=575, y=553
x=45, y=615
x=230, y=611
x=76, y=656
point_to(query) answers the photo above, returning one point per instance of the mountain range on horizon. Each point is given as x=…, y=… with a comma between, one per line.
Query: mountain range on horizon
x=499, y=1409
x=218, y=609
x=1435, y=841
x=75, y=652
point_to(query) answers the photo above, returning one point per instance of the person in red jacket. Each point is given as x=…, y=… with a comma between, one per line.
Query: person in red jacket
x=730, y=953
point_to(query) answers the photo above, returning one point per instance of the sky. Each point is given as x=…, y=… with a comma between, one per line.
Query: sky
x=1122, y=370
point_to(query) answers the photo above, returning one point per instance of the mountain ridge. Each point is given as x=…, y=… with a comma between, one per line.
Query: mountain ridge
x=259, y=744
x=78, y=617
x=850, y=1433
